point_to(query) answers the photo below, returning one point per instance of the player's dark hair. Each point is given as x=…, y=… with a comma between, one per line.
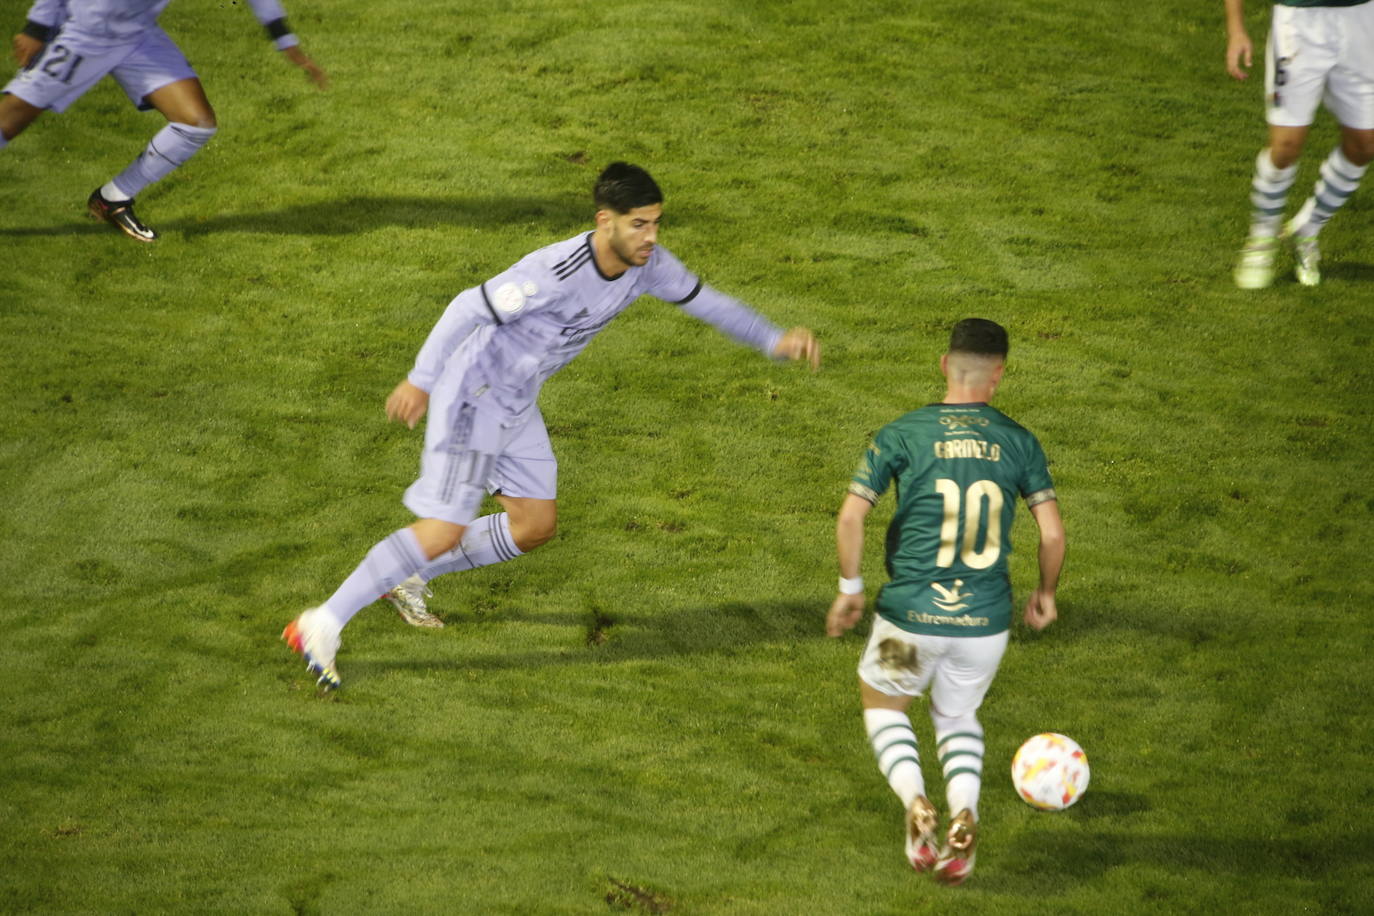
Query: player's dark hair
x=979, y=336
x=623, y=187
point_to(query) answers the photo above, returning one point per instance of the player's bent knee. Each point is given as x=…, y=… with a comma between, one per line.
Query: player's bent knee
x=532, y=521
x=534, y=532
x=1285, y=153
x=1359, y=147
x=437, y=537
x=943, y=722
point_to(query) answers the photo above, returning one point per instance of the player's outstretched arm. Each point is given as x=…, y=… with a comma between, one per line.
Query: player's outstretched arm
x=407, y=403
x=798, y=344
x=1239, y=50
x=737, y=320
x=1041, y=610
x=272, y=15
x=848, y=607
x=312, y=69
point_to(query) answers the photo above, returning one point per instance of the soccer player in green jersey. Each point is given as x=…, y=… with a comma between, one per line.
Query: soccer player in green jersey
x=944, y=614
x=1319, y=52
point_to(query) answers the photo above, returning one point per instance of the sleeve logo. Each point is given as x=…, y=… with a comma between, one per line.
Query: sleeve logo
x=510, y=298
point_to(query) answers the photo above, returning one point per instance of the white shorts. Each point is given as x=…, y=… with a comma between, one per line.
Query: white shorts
x=1320, y=54
x=470, y=452
x=71, y=64
x=957, y=670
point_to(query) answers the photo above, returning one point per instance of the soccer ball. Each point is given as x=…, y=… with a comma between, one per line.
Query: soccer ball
x=1050, y=772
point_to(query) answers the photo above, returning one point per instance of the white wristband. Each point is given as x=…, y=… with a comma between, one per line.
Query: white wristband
x=854, y=586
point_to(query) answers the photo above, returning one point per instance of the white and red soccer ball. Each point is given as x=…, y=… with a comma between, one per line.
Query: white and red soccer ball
x=1050, y=772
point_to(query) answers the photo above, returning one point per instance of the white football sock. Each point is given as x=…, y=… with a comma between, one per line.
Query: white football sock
x=112, y=193
x=486, y=541
x=1269, y=195
x=894, y=747
x=394, y=558
x=1339, y=179
x=959, y=742
x=169, y=148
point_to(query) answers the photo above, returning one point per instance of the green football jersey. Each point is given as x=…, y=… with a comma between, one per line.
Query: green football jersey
x=959, y=469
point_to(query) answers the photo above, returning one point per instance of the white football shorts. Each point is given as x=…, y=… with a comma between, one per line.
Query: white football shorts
x=71, y=64
x=471, y=451
x=1320, y=54
x=956, y=670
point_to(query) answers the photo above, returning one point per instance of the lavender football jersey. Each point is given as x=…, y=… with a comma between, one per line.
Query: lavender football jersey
x=121, y=21
x=503, y=339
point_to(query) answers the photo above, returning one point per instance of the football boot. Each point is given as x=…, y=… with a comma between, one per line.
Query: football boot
x=409, y=600
x=922, y=846
x=317, y=641
x=120, y=214
x=956, y=857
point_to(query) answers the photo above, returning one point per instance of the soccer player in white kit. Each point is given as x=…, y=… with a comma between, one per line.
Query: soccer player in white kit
x=479, y=374
x=1319, y=52
x=67, y=46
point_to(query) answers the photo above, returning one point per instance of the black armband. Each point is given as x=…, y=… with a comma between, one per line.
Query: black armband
x=38, y=30
x=277, y=28
x=690, y=296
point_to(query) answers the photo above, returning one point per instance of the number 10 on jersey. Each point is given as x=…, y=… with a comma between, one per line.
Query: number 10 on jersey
x=971, y=502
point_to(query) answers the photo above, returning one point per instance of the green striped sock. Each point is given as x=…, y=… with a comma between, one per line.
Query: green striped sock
x=959, y=742
x=894, y=747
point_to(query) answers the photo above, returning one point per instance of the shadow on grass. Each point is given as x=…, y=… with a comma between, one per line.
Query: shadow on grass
x=1036, y=859
x=75, y=226
x=609, y=637
x=1356, y=272
x=359, y=213
x=1095, y=613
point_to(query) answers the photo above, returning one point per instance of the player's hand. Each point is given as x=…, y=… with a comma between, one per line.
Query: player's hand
x=26, y=48
x=844, y=614
x=312, y=70
x=1041, y=610
x=799, y=343
x=407, y=404
x=1239, y=53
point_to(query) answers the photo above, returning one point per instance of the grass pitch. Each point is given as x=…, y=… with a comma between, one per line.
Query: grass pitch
x=644, y=715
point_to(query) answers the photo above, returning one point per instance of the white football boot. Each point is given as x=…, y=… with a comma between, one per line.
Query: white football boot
x=1306, y=254
x=408, y=598
x=316, y=639
x=1255, y=266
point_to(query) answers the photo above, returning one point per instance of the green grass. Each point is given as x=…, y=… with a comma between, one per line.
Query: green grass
x=644, y=715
